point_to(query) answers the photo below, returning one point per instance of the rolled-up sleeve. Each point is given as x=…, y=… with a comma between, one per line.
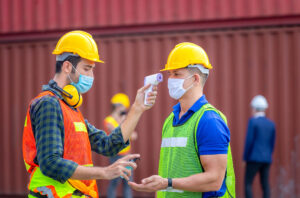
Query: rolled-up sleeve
x=108, y=145
x=48, y=129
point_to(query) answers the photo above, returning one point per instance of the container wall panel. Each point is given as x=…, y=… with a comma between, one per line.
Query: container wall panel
x=44, y=15
x=246, y=62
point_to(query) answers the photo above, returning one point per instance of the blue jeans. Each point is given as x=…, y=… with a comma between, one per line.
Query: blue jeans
x=111, y=193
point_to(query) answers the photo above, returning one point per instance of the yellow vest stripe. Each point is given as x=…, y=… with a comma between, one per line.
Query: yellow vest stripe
x=80, y=127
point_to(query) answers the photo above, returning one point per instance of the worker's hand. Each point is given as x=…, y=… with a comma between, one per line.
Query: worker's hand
x=150, y=184
x=139, y=99
x=118, y=168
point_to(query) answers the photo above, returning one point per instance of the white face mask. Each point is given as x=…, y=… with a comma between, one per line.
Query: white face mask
x=175, y=87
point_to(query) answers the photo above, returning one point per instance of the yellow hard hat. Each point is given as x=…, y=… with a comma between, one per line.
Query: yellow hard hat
x=185, y=54
x=80, y=43
x=120, y=98
x=76, y=99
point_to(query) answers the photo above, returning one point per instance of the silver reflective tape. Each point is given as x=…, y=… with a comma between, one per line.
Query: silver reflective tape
x=45, y=191
x=63, y=56
x=201, y=68
x=173, y=190
x=174, y=142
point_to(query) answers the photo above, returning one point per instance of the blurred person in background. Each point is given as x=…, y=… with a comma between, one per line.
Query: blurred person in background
x=259, y=146
x=195, y=156
x=120, y=104
x=57, y=140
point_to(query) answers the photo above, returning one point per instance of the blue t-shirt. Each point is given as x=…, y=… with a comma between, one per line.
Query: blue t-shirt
x=213, y=135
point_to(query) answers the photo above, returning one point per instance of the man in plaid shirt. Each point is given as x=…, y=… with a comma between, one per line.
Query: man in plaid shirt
x=60, y=165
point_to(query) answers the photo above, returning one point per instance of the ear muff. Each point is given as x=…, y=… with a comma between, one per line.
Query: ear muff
x=76, y=98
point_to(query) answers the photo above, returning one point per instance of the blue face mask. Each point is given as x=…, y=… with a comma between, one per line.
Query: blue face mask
x=84, y=83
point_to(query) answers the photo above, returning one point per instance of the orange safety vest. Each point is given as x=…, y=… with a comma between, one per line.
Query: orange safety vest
x=77, y=148
x=110, y=120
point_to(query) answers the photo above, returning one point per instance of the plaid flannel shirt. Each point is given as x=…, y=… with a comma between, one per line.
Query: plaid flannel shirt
x=48, y=127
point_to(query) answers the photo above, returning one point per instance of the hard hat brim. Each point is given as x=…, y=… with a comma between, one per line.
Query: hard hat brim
x=180, y=67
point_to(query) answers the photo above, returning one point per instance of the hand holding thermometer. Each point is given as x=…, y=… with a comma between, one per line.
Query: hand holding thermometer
x=154, y=79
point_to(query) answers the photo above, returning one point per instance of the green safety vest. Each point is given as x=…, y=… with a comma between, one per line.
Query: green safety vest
x=179, y=155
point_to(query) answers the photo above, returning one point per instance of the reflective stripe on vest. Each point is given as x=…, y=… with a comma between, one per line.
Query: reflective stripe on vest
x=39, y=183
x=48, y=190
x=110, y=120
x=77, y=148
x=179, y=154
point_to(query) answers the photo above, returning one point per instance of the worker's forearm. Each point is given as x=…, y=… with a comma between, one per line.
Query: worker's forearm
x=128, y=126
x=87, y=173
x=202, y=182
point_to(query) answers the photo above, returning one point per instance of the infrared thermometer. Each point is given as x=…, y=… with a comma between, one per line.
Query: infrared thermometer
x=153, y=79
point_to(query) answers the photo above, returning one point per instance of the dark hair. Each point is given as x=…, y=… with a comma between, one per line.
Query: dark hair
x=74, y=60
x=114, y=106
x=203, y=76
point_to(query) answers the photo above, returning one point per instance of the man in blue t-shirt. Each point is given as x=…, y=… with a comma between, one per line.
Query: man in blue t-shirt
x=259, y=146
x=195, y=141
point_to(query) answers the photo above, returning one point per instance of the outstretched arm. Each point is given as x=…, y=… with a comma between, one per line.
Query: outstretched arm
x=111, y=144
x=137, y=109
x=210, y=180
x=115, y=170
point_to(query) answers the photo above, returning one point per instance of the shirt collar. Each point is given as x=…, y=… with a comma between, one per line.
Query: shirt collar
x=195, y=107
x=259, y=114
x=51, y=87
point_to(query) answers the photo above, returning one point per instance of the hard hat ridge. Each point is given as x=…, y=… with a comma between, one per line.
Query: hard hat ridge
x=79, y=43
x=259, y=102
x=185, y=54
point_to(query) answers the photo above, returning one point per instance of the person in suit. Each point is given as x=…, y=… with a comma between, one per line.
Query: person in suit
x=259, y=146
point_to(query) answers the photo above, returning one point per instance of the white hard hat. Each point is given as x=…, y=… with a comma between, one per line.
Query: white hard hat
x=259, y=102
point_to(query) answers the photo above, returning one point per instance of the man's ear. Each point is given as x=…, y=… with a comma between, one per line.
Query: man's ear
x=198, y=79
x=66, y=67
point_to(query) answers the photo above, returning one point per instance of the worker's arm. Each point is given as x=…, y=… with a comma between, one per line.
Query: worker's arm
x=210, y=180
x=108, y=145
x=249, y=140
x=111, y=144
x=137, y=109
x=115, y=170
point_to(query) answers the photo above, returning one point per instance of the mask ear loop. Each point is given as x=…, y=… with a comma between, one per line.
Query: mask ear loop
x=75, y=70
x=190, y=85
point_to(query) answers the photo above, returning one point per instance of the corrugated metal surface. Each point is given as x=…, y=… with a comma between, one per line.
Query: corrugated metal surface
x=45, y=15
x=246, y=62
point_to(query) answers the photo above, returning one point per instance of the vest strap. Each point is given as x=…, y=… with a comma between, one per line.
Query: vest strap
x=88, y=190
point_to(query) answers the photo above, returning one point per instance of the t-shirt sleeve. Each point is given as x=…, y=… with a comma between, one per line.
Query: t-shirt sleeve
x=213, y=135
